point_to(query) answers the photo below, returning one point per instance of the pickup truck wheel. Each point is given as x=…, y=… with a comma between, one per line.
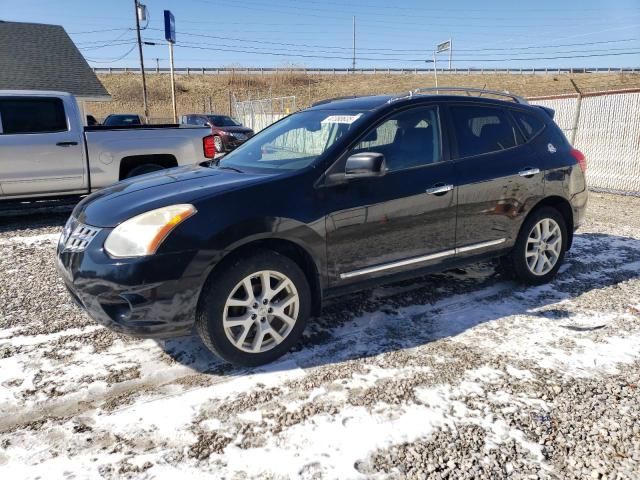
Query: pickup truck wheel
x=255, y=310
x=217, y=142
x=142, y=169
x=539, y=249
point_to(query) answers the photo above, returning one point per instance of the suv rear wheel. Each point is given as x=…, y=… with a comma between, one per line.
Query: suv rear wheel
x=539, y=249
x=254, y=310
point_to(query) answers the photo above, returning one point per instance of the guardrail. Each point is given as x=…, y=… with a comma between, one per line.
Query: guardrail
x=337, y=71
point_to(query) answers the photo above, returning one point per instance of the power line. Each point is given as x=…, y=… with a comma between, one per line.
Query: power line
x=546, y=46
x=114, y=59
x=463, y=10
x=399, y=51
x=404, y=59
x=98, y=31
x=116, y=44
x=296, y=9
x=293, y=52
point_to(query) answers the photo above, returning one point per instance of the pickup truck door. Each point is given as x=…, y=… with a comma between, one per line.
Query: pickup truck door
x=41, y=146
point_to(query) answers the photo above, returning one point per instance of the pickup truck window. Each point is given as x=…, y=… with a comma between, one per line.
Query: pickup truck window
x=32, y=115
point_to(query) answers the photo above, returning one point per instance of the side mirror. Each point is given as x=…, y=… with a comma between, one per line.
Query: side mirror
x=365, y=164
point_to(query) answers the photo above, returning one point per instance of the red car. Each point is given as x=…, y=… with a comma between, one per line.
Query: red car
x=227, y=132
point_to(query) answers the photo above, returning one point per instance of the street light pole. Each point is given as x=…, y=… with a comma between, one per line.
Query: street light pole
x=136, y=6
x=435, y=69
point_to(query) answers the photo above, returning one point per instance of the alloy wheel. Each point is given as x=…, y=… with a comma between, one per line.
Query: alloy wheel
x=544, y=246
x=261, y=311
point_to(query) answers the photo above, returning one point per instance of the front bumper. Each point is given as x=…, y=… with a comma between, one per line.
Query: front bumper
x=151, y=297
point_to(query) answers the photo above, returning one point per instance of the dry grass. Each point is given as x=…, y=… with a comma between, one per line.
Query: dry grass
x=199, y=93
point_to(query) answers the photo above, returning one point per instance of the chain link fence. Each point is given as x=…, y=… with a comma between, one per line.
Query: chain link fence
x=606, y=128
x=259, y=114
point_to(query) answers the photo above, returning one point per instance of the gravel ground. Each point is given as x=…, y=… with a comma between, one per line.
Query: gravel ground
x=456, y=375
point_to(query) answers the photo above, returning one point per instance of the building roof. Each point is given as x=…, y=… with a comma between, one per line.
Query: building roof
x=43, y=57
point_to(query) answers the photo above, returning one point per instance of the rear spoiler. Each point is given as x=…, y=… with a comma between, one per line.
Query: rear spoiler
x=549, y=111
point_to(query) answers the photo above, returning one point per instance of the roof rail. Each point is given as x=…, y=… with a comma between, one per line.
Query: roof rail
x=477, y=92
x=334, y=99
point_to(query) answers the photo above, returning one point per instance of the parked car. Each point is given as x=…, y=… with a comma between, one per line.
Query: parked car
x=123, y=120
x=342, y=196
x=45, y=150
x=227, y=132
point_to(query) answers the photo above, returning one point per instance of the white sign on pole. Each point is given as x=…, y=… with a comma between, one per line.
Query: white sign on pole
x=443, y=47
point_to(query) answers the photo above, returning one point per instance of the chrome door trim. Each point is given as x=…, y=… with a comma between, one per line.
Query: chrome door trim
x=477, y=246
x=421, y=259
x=401, y=263
x=529, y=172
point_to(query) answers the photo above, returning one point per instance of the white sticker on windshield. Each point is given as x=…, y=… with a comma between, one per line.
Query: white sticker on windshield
x=341, y=118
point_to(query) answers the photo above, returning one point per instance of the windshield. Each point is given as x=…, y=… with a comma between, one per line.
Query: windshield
x=294, y=142
x=222, y=121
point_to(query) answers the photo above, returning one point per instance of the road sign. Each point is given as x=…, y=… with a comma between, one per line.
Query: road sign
x=443, y=47
x=169, y=27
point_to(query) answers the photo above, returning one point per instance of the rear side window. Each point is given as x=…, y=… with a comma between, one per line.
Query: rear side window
x=480, y=130
x=32, y=115
x=529, y=124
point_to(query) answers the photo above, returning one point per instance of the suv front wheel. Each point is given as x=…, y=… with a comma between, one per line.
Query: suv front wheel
x=254, y=310
x=539, y=249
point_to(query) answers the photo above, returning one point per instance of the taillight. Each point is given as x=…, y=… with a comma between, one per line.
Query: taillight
x=580, y=158
x=209, y=147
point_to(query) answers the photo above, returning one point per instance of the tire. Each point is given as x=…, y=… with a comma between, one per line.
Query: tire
x=232, y=322
x=217, y=142
x=142, y=169
x=533, y=262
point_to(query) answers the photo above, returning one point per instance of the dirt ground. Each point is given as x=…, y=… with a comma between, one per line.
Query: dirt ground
x=455, y=375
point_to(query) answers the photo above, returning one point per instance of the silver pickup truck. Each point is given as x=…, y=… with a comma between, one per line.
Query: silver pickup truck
x=46, y=151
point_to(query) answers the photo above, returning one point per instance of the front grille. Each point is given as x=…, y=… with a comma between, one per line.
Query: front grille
x=77, y=237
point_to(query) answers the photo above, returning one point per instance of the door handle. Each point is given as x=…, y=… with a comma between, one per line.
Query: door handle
x=528, y=172
x=66, y=144
x=439, y=189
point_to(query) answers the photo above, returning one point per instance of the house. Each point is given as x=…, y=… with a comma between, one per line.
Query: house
x=36, y=56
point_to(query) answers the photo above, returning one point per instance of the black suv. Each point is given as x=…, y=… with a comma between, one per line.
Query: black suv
x=341, y=196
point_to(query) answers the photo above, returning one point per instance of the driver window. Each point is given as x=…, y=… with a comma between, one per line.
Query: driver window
x=408, y=139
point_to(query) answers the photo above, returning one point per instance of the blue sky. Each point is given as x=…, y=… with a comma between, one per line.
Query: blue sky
x=317, y=33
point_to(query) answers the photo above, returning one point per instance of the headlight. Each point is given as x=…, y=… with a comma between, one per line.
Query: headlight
x=143, y=234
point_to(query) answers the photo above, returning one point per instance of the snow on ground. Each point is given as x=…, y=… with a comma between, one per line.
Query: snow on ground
x=457, y=375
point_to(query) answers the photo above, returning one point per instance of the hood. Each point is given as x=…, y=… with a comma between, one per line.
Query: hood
x=123, y=200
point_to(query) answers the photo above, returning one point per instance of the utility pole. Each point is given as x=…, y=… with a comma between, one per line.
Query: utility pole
x=354, y=44
x=450, y=52
x=136, y=7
